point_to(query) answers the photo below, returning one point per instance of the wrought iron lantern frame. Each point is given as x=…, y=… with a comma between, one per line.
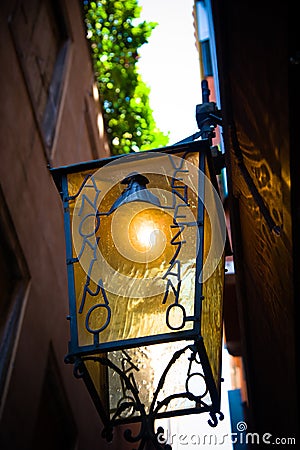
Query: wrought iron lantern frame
x=99, y=351
x=60, y=177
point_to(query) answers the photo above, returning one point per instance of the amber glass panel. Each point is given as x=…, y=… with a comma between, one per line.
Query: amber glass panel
x=136, y=271
x=213, y=276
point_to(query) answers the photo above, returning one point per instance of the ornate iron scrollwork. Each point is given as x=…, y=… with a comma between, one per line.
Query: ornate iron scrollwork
x=130, y=402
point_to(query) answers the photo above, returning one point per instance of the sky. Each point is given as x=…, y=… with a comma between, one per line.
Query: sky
x=169, y=65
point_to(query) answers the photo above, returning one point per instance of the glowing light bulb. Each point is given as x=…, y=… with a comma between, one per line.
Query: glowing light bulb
x=145, y=236
x=141, y=233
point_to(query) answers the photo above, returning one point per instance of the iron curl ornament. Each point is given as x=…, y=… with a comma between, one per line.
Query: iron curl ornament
x=145, y=237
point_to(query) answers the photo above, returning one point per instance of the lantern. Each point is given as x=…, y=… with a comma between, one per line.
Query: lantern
x=145, y=235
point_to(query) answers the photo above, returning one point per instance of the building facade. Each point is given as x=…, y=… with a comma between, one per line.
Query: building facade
x=50, y=116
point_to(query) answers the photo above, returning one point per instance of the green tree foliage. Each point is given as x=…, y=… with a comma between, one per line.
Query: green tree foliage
x=115, y=38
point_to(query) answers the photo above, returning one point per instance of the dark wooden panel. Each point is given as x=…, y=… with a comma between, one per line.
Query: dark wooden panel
x=253, y=69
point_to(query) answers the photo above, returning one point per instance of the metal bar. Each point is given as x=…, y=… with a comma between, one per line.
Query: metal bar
x=205, y=91
x=70, y=269
x=167, y=414
x=214, y=395
x=188, y=335
x=200, y=246
x=190, y=138
x=196, y=146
